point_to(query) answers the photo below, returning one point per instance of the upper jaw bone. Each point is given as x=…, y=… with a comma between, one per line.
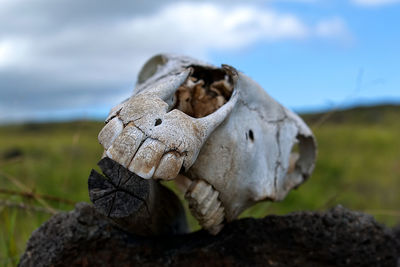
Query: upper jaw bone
x=153, y=141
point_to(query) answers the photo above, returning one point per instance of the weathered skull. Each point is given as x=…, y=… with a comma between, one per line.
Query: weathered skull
x=224, y=139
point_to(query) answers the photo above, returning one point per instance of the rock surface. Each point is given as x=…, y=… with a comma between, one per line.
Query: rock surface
x=338, y=237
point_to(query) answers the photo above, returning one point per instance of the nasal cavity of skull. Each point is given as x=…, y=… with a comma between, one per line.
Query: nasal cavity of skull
x=205, y=91
x=294, y=157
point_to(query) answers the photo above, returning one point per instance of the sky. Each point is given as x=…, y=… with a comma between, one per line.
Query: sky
x=73, y=59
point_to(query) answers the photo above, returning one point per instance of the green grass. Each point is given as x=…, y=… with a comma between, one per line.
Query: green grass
x=358, y=166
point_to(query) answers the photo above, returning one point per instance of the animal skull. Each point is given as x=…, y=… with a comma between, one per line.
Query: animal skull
x=223, y=139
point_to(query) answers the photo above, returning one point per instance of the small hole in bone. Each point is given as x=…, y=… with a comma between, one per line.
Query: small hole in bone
x=205, y=91
x=158, y=122
x=251, y=135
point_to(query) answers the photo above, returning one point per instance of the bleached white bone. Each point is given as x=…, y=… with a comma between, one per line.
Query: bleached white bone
x=242, y=151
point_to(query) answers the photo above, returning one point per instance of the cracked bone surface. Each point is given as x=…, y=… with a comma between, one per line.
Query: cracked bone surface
x=228, y=142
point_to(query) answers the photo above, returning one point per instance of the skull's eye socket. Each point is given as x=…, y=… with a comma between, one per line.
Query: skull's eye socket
x=205, y=91
x=293, y=157
x=302, y=156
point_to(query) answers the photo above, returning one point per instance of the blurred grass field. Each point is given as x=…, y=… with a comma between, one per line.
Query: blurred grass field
x=44, y=169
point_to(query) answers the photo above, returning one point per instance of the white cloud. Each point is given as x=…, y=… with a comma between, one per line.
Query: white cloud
x=189, y=28
x=52, y=60
x=12, y=51
x=208, y=26
x=4, y=53
x=374, y=2
x=335, y=28
x=115, y=51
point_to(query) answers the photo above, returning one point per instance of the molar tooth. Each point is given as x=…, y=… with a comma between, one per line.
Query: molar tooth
x=169, y=166
x=199, y=190
x=216, y=219
x=125, y=145
x=110, y=132
x=212, y=211
x=205, y=205
x=147, y=158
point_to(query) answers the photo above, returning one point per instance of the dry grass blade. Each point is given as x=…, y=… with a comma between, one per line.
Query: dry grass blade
x=324, y=118
x=34, y=196
x=23, y=187
x=23, y=206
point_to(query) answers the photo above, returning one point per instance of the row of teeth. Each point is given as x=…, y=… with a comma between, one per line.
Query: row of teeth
x=205, y=205
x=201, y=196
x=132, y=149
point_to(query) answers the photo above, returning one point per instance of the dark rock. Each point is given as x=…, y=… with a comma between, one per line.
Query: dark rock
x=338, y=237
